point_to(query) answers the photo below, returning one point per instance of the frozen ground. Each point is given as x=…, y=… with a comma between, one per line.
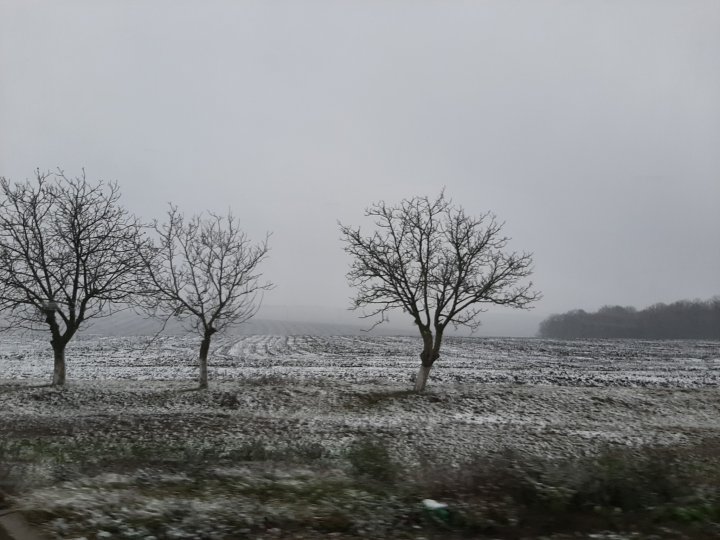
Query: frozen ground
x=546, y=395
x=361, y=360
x=313, y=396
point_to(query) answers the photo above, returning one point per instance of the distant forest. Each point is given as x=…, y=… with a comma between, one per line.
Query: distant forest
x=680, y=320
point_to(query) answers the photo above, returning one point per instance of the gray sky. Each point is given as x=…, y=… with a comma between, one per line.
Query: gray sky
x=591, y=127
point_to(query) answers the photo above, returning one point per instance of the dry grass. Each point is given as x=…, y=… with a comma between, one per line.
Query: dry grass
x=673, y=492
x=627, y=489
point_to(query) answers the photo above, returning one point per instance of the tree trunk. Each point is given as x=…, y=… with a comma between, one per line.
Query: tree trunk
x=58, y=342
x=59, y=371
x=427, y=358
x=422, y=378
x=430, y=353
x=204, y=348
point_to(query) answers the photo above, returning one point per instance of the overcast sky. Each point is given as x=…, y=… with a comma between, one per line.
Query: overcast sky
x=592, y=128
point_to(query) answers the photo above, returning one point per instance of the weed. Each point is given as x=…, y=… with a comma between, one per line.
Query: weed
x=630, y=480
x=306, y=452
x=250, y=451
x=618, y=486
x=9, y=479
x=369, y=458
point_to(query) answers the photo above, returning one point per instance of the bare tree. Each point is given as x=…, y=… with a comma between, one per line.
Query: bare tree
x=204, y=272
x=436, y=263
x=68, y=253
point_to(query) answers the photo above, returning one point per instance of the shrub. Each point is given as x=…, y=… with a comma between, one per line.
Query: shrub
x=620, y=486
x=370, y=458
x=11, y=474
x=631, y=480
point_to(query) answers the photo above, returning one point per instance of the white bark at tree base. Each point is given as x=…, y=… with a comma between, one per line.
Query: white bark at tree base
x=422, y=378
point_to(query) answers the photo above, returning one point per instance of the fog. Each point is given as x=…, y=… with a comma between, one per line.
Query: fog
x=591, y=128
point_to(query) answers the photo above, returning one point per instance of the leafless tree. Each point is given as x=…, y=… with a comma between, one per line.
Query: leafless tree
x=436, y=263
x=68, y=253
x=204, y=272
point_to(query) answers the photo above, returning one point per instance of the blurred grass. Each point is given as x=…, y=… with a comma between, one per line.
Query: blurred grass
x=304, y=488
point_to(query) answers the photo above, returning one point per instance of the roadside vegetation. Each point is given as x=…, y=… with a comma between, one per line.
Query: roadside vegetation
x=160, y=460
x=364, y=491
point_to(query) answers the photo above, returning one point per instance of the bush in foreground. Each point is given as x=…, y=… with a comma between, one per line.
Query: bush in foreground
x=673, y=492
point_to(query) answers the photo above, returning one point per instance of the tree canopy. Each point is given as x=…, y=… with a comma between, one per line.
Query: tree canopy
x=69, y=252
x=204, y=271
x=438, y=264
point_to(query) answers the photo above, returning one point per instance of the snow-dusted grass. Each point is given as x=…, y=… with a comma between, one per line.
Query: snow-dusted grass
x=219, y=503
x=130, y=446
x=359, y=360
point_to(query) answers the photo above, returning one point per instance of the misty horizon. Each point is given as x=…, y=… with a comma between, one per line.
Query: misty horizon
x=317, y=320
x=591, y=131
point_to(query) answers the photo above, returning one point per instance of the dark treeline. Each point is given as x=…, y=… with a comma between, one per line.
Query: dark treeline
x=680, y=320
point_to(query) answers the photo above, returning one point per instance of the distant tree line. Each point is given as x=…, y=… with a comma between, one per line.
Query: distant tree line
x=684, y=319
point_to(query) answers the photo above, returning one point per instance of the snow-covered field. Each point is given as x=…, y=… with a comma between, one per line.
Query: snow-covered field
x=285, y=396
x=362, y=360
x=545, y=395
